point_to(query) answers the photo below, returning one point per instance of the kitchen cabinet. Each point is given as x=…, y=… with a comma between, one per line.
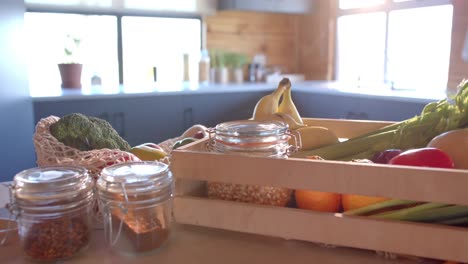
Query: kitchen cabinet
x=212, y=109
x=356, y=107
x=326, y=105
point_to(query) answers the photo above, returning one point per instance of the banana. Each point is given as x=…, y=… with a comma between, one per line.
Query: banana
x=287, y=106
x=268, y=104
x=315, y=136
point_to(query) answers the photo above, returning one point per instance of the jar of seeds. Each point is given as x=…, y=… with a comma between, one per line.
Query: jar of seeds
x=252, y=138
x=53, y=207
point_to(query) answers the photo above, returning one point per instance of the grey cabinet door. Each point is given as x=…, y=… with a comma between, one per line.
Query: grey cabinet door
x=327, y=106
x=390, y=110
x=212, y=109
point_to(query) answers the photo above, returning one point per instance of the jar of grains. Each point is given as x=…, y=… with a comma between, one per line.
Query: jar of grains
x=136, y=200
x=253, y=138
x=53, y=206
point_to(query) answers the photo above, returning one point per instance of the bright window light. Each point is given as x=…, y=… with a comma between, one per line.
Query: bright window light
x=45, y=38
x=361, y=48
x=419, y=42
x=158, y=42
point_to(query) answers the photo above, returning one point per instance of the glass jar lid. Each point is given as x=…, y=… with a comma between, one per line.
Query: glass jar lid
x=249, y=128
x=135, y=181
x=51, y=183
x=250, y=132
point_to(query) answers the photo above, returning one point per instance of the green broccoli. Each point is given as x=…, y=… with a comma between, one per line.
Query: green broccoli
x=87, y=133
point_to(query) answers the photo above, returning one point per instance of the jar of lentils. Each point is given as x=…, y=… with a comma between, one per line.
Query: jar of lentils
x=53, y=207
x=136, y=200
x=252, y=138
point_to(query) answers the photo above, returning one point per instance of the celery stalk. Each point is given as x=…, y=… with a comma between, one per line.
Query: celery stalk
x=416, y=132
x=428, y=212
x=378, y=206
x=455, y=221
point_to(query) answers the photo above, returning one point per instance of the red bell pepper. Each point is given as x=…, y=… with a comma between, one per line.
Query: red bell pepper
x=423, y=157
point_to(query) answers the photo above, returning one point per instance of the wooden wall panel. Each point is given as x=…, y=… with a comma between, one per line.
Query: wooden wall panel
x=458, y=68
x=316, y=41
x=274, y=35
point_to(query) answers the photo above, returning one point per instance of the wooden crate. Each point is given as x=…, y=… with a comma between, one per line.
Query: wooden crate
x=193, y=166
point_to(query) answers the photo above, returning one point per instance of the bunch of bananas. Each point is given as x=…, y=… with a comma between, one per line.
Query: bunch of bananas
x=279, y=106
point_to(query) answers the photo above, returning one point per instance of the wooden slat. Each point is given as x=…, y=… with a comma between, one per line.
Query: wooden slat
x=425, y=240
x=412, y=183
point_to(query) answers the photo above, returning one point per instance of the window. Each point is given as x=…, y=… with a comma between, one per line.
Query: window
x=158, y=42
x=147, y=42
x=402, y=43
x=45, y=41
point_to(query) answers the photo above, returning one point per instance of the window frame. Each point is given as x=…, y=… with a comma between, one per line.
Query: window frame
x=119, y=16
x=387, y=6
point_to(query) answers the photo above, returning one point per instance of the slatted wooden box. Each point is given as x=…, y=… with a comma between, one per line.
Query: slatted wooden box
x=193, y=166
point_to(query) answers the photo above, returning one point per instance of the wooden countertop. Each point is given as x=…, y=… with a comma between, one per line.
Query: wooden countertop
x=190, y=244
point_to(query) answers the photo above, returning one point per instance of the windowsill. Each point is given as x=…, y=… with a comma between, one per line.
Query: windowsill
x=321, y=87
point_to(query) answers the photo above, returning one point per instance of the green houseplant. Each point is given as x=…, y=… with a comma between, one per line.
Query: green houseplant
x=236, y=62
x=70, y=69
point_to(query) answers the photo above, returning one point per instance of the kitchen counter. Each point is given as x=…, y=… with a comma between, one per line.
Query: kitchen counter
x=318, y=87
x=192, y=244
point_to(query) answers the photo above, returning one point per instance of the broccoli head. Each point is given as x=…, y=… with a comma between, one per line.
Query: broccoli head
x=87, y=133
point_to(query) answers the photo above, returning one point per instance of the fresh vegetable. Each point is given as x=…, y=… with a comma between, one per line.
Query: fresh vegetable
x=423, y=157
x=423, y=212
x=383, y=157
x=436, y=118
x=183, y=142
x=455, y=144
x=87, y=133
x=428, y=212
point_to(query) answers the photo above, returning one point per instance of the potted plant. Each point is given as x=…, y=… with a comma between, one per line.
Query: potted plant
x=236, y=63
x=219, y=70
x=70, y=69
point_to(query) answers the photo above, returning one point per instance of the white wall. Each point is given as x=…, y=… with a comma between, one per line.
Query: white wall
x=16, y=112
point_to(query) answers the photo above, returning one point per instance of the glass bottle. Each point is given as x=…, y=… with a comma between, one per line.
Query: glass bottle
x=136, y=200
x=53, y=207
x=252, y=138
x=204, y=67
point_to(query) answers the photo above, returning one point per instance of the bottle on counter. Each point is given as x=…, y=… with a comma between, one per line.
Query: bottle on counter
x=204, y=67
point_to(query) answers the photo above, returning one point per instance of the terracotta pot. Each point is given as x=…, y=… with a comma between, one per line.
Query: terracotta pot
x=71, y=75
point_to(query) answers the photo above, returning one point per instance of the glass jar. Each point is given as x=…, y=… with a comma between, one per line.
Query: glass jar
x=53, y=207
x=136, y=200
x=252, y=138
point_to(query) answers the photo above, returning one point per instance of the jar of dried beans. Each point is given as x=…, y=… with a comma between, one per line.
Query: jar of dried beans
x=252, y=138
x=53, y=206
x=136, y=199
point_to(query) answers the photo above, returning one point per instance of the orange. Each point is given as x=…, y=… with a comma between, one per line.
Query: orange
x=353, y=201
x=318, y=201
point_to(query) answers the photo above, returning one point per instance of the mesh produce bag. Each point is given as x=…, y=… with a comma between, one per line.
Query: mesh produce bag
x=51, y=152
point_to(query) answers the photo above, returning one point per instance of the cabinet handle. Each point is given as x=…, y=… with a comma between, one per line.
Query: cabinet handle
x=118, y=119
x=188, y=117
x=104, y=116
